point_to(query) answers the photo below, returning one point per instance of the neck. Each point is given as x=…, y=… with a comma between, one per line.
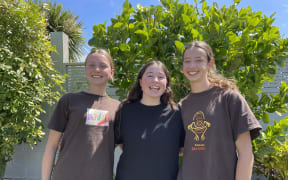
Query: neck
x=197, y=87
x=150, y=101
x=99, y=90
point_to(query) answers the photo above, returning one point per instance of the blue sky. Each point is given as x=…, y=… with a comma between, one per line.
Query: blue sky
x=92, y=12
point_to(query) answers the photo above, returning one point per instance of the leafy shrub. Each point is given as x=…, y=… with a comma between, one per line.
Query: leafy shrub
x=247, y=48
x=27, y=76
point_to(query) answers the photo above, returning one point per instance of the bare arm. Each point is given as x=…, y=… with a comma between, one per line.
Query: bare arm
x=245, y=157
x=49, y=154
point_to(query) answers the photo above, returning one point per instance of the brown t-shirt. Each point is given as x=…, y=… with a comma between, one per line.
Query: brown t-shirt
x=87, y=146
x=213, y=119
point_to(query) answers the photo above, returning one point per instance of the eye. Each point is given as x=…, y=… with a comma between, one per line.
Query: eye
x=161, y=77
x=90, y=66
x=103, y=66
x=187, y=61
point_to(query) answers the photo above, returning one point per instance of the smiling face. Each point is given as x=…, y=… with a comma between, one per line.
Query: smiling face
x=153, y=82
x=195, y=65
x=98, y=70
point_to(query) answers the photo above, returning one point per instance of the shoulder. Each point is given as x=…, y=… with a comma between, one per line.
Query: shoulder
x=170, y=112
x=232, y=95
x=128, y=105
x=184, y=100
x=114, y=101
x=68, y=96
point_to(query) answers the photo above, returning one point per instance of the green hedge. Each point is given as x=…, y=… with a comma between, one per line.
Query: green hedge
x=27, y=76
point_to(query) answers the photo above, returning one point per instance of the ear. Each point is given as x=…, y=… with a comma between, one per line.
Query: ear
x=211, y=63
x=112, y=74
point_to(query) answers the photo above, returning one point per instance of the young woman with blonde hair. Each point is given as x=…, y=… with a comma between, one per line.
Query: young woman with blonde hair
x=85, y=123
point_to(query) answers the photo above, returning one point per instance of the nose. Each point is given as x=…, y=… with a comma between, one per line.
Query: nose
x=97, y=68
x=193, y=64
x=155, y=79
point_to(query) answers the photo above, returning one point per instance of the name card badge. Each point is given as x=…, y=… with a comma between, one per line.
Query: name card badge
x=97, y=117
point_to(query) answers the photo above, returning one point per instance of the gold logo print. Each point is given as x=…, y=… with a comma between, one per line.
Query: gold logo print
x=199, y=126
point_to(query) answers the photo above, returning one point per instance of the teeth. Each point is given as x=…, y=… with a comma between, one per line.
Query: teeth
x=154, y=87
x=96, y=76
x=192, y=73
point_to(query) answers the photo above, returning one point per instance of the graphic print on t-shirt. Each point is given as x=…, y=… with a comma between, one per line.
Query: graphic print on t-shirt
x=96, y=117
x=198, y=127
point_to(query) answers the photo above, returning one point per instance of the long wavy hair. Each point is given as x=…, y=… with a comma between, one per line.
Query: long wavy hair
x=136, y=93
x=213, y=77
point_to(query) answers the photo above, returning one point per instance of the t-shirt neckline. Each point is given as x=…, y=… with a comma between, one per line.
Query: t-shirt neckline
x=90, y=94
x=203, y=93
x=150, y=107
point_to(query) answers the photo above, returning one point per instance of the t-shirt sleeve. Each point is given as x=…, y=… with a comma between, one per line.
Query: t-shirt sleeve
x=60, y=115
x=242, y=118
x=182, y=130
x=117, y=124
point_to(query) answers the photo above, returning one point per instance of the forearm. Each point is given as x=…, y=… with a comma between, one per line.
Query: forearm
x=49, y=154
x=245, y=157
x=47, y=163
x=244, y=166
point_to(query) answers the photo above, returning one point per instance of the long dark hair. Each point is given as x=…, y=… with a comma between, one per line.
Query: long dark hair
x=135, y=94
x=213, y=77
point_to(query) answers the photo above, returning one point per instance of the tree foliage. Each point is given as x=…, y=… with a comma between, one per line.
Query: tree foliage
x=247, y=48
x=63, y=20
x=27, y=76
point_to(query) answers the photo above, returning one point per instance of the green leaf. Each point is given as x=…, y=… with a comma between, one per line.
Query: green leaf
x=131, y=26
x=180, y=46
x=266, y=118
x=236, y=2
x=185, y=19
x=142, y=33
x=118, y=25
x=126, y=4
x=125, y=47
x=217, y=27
x=195, y=33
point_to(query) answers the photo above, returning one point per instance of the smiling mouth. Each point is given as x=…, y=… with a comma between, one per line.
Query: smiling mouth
x=154, y=88
x=192, y=73
x=96, y=76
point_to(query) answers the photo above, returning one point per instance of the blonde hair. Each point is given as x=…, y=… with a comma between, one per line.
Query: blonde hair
x=102, y=52
x=213, y=77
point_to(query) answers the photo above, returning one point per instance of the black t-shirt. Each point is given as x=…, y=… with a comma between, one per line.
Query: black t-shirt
x=151, y=138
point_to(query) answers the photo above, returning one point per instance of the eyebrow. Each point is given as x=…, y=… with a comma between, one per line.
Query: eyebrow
x=198, y=57
x=152, y=73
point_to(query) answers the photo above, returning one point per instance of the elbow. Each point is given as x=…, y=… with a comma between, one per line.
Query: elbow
x=247, y=156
